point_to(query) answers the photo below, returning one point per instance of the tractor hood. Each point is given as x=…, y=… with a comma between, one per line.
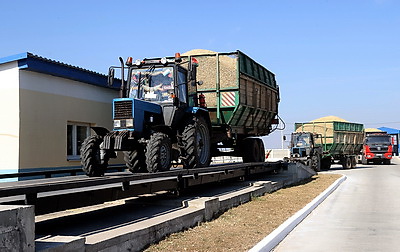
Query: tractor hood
x=131, y=114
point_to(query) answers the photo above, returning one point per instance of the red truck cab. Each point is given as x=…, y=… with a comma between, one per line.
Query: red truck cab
x=377, y=148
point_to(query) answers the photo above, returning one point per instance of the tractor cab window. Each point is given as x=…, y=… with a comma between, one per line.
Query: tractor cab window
x=152, y=84
x=302, y=140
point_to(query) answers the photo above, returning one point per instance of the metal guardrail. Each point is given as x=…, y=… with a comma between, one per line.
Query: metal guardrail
x=50, y=173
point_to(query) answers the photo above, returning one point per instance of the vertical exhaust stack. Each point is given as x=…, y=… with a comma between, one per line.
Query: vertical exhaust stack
x=122, y=93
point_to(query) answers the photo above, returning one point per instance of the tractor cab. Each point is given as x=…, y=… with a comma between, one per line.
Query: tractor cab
x=159, y=80
x=301, y=144
x=155, y=94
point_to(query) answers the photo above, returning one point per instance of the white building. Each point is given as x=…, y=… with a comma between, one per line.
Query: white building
x=47, y=108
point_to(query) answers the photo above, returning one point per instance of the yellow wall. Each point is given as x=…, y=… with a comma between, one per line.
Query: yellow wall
x=47, y=104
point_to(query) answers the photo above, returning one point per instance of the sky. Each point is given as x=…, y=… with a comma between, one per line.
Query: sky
x=330, y=57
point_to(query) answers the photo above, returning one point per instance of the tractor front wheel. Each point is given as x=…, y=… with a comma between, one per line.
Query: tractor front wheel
x=93, y=164
x=135, y=160
x=158, y=153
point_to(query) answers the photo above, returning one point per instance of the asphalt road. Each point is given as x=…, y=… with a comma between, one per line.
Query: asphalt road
x=363, y=214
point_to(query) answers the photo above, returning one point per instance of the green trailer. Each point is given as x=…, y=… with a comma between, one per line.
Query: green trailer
x=340, y=140
x=241, y=96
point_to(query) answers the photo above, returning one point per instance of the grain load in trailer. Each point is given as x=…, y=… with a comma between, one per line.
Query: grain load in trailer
x=241, y=95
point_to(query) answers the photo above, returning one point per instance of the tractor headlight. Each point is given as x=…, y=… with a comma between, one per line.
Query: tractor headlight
x=129, y=123
x=117, y=123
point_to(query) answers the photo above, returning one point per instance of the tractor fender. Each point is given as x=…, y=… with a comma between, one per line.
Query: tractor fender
x=201, y=112
x=101, y=131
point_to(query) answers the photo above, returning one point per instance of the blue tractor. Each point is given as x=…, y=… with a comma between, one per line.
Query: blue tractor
x=158, y=119
x=304, y=148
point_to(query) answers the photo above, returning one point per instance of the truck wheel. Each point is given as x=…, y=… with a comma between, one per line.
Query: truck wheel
x=364, y=161
x=92, y=163
x=252, y=150
x=196, y=143
x=135, y=160
x=158, y=153
x=386, y=162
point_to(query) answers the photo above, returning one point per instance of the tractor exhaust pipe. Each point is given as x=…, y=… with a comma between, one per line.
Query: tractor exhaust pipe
x=123, y=87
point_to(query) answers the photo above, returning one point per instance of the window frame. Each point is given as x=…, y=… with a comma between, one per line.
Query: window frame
x=75, y=152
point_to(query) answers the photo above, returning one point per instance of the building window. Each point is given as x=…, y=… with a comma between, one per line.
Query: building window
x=76, y=134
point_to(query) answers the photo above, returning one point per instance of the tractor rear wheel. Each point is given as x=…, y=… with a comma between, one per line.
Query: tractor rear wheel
x=316, y=162
x=92, y=163
x=135, y=160
x=196, y=144
x=158, y=153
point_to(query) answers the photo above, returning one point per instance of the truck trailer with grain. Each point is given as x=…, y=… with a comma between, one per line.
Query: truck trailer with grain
x=340, y=140
x=185, y=109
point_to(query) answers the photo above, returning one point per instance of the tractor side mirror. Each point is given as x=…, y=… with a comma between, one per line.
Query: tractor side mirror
x=176, y=101
x=193, y=72
x=110, y=79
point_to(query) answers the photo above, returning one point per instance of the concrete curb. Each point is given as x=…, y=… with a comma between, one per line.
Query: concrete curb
x=274, y=238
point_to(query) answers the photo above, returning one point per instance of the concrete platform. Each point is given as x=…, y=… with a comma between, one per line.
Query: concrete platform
x=17, y=228
x=136, y=223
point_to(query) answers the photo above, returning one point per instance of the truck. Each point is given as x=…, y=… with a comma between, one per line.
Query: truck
x=377, y=147
x=304, y=148
x=340, y=140
x=184, y=110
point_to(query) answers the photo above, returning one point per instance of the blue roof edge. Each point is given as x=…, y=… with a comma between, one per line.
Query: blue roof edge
x=14, y=57
x=390, y=130
x=30, y=62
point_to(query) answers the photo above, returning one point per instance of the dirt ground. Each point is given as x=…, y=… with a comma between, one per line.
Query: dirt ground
x=240, y=228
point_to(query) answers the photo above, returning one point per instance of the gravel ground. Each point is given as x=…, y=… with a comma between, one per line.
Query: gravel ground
x=240, y=228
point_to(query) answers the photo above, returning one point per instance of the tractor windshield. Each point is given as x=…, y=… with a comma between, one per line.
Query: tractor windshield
x=152, y=84
x=301, y=140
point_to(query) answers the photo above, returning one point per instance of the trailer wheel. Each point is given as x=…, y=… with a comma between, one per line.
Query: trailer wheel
x=135, y=160
x=346, y=162
x=92, y=163
x=253, y=150
x=353, y=162
x=325, y=164
x=158, y=153
x=262, y=150
x=196, y=144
